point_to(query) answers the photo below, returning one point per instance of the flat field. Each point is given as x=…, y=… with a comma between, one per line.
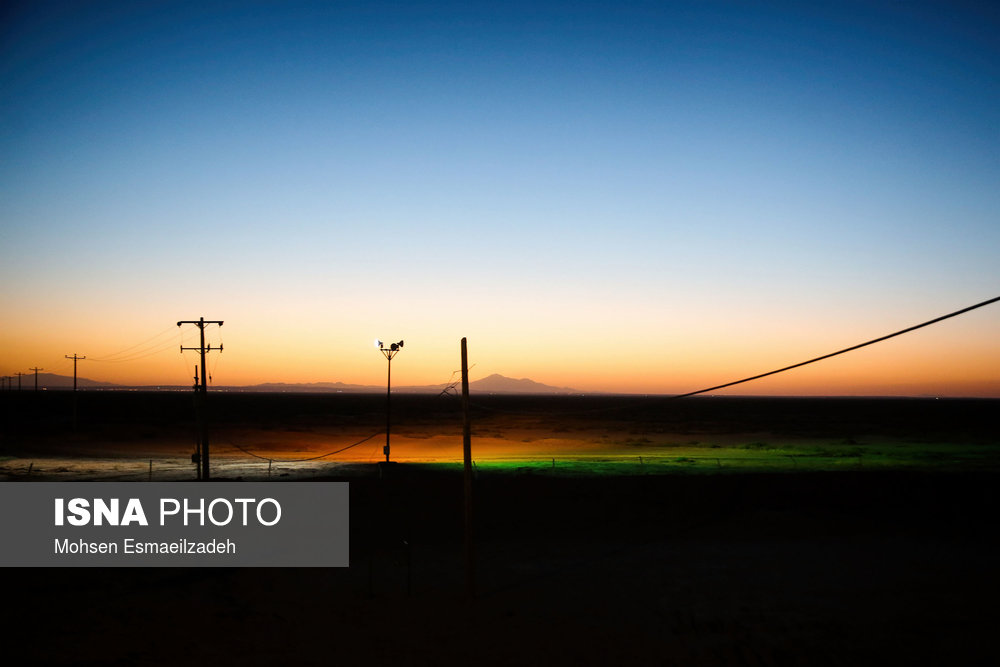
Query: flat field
x=752, y=532
x=126, y=435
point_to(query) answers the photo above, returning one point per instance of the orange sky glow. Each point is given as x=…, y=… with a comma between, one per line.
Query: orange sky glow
x=639, y=198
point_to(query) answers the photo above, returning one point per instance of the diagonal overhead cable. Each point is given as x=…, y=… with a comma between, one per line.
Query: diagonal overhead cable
x=761, y=375
x=846, y=349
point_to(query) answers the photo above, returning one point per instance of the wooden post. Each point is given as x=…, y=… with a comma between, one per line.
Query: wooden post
x=470, y=565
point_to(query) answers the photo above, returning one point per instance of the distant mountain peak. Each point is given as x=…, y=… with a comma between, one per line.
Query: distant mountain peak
x=501, y=384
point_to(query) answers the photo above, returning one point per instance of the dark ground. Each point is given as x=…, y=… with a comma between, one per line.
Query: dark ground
x=27, y=414
x=845, y=568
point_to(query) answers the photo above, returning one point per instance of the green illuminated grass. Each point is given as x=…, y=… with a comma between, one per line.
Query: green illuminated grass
x=753, y=457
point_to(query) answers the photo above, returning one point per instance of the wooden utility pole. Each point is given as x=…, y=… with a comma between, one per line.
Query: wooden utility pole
x=75, y=359
x=470, y=556
x=36, y=375
x=19, y=374
x=203, y=394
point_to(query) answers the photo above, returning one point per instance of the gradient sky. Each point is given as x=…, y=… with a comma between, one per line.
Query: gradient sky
x=626, y=196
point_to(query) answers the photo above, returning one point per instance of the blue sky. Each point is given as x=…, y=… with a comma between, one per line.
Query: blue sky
x=757, y=180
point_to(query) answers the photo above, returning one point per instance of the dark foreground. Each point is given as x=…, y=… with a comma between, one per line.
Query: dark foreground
x=845, y=568
x=29, y=416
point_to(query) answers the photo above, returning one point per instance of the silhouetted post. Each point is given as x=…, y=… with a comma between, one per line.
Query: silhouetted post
x=36, y=375
x=197, y=412
x=75, y=359
x=470, y=562
x=19, y=374
x=203, y=394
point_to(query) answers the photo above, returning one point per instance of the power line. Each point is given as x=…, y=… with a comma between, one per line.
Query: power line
x=452, y=383
x=109, y=357
x=762, y=375
x=312, y=458
x=158, y=348
x=846, y=349
x=155, y=348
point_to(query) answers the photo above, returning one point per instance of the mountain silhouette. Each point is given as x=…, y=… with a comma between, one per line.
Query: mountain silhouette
x=499, y=384
x=492, y=384
x=54, y=381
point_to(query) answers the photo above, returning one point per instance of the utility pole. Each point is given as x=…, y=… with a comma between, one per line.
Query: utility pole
x=36, y=375
x=470, y=556
x=203, y=394
x=75, y=359
x=19, y=374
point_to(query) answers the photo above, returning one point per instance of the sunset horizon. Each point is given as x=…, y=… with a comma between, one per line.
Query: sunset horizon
x=723, y=278
x=843, y=378
x=636, y=198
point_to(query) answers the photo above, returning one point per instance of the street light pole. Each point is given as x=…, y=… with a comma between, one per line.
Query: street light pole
x=389, y=353
x=388, y=404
